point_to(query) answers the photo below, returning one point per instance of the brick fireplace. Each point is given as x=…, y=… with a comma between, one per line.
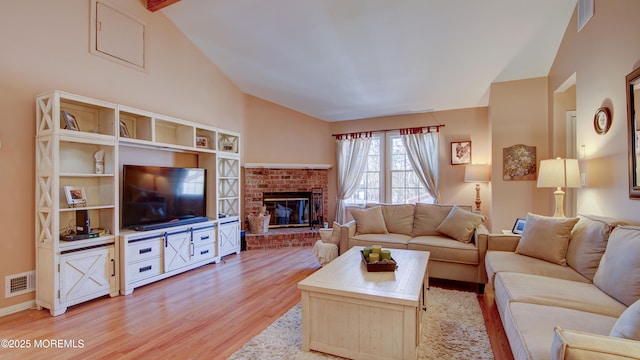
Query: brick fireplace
x=261, y=179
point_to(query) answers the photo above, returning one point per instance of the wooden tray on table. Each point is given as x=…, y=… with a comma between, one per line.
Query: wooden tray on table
x=378, y=265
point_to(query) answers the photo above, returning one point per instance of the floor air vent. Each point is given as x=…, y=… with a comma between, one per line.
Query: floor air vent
x=20, y=283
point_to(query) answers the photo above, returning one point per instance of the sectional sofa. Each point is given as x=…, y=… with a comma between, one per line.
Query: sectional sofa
x=455, y=236
x=568, y=288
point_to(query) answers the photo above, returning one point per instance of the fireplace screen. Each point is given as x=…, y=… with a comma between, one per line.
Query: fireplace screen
x=288, y=209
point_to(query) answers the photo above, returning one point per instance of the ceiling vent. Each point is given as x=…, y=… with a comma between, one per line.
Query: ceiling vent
x=20, y=283
x=585, y=12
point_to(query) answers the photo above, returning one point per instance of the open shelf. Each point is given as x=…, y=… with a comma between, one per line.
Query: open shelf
x=81, y=244
x=228, y=142
x=135, y=124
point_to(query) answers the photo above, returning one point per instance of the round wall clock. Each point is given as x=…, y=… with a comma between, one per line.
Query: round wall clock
x=602, y=120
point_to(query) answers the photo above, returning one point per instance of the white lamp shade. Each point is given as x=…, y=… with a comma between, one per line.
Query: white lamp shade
x=477, y=173
x=559, y=173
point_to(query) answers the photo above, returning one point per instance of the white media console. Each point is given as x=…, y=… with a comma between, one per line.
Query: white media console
x=150, y=256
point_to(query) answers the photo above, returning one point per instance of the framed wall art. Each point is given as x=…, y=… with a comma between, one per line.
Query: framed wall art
x=460, y=152
x=519, y=163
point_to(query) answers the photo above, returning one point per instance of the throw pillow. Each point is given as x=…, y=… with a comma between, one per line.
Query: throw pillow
x=628, y=324
x=588, y=241
x=619, y=272
x=347, y=212
x=369, y=221
x=460, y=224
x=427, y=218
x=546, y=238
x=335, y=234
x=398, y=218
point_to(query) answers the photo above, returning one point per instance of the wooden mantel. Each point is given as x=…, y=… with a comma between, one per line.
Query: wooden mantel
x=287, y=166
x=155, y=5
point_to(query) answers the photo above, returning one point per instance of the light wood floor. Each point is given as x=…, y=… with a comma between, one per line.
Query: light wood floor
x=207, y=313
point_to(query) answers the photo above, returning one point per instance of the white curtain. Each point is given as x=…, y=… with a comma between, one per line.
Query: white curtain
x=351, y=160
x=423, y=151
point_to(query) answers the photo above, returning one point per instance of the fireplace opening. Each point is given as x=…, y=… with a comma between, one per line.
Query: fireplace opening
x=288, y=209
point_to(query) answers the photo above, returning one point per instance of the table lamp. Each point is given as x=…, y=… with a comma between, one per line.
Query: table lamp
x=558, y=173
x=477, y=173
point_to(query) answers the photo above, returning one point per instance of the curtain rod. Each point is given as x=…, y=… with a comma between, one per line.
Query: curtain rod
x=411, y=129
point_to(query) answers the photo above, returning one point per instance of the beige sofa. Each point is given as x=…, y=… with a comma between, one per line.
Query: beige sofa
x=568, y=288
x=453, y=235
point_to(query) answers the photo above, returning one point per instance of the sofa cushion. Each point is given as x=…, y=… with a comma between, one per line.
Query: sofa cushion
x=544, y=290
x=628, y=324
x=369, y=221
x=446, y=249
x=546, y=238
x=393, y=241
x=530, y=327
x=580, y=345
x=588, y=241
x=427, y=217
x=507, y=261
x=460, y=224
x=619, y=272
x=399, y=218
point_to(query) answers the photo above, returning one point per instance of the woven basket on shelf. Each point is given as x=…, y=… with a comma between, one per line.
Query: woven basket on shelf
x=259, y=224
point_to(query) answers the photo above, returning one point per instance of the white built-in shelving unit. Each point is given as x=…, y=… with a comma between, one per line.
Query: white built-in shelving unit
x=71, y=272
x=228, y=192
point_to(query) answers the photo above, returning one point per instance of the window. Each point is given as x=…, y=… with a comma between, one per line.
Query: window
x=405, y=187
x=370, y=188
x=389, y=177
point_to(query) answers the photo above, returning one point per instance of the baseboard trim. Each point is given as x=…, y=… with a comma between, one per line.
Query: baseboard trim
x=17, y=308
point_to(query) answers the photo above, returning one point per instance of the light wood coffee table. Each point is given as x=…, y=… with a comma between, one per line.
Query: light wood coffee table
x=350, y=312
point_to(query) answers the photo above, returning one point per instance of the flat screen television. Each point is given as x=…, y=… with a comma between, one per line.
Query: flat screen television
x=159, y=195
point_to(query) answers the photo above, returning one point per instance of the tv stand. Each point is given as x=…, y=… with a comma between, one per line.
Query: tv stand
x=172, y=223
x=149, y=256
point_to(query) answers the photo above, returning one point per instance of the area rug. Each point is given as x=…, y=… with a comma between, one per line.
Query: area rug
x=453, y=328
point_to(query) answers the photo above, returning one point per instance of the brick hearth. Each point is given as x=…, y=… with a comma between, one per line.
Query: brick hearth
x=282, y=238
x=260, y=180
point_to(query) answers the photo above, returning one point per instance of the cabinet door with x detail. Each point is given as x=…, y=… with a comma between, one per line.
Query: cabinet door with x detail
x=87, y=274
x=229, y=238
x=178, y=250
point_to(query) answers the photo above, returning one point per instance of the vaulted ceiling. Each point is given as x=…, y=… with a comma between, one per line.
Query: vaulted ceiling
x=351, y=59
